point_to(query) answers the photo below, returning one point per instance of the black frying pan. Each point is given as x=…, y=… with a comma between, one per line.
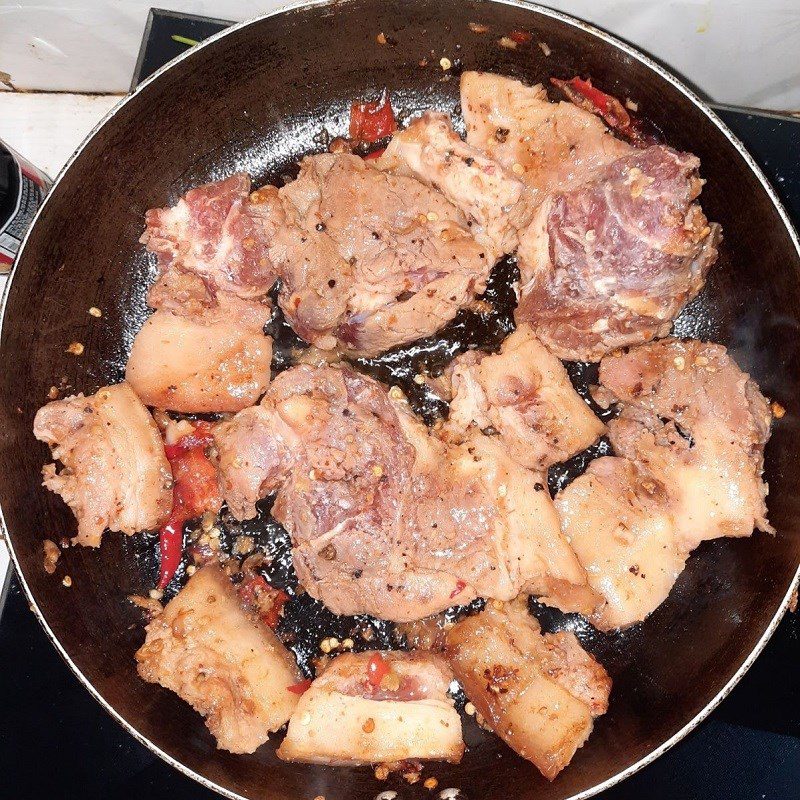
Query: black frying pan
x=256, y=98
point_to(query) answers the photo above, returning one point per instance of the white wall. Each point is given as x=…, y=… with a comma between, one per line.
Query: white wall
x=744, y=52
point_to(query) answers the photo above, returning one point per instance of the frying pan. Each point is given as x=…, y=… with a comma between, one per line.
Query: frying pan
x=255, y=98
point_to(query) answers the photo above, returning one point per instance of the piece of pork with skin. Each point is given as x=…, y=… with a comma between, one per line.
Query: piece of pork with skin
x=618, y=520
x=525, y=394
x=215, y=233
x=344, y=718
x=115, y=475
x=217, y=361
x=357, y=474
x=612, y=262
x=699, y=425
x=539, y=693
x=370, y=258
x=222, y=660
x=551, y=147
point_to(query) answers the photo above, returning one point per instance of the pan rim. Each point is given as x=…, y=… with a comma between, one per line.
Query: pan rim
x=298, y=5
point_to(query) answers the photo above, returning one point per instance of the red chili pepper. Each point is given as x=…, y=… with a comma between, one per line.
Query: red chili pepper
x=376, y=669
x=460, y=586
x=591, y=99
x=195, y=490
x=265, y=600
x=375, y=154
x=299, y=688
x=520, y=37
x=372, y=121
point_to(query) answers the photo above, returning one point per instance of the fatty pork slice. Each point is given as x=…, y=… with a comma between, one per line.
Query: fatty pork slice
x=222, y=660
x=551, y=147
x=692, y=418
x=216, y=361
x=618, y=520
x=375, y=707
x=524, y=394
x=612, y=262
x=356, y=475
x=371, y=259
x=539, y=693
x=495, y=200
x=215, y=234
x=115, y=475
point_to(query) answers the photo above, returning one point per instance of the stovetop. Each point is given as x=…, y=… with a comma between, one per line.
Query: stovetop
x=57, y=742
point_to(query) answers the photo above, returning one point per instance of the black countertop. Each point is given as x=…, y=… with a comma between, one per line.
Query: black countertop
x=57, y=742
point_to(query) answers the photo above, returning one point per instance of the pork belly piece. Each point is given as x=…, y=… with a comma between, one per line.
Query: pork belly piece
x=618, y=519
x=217, y=361
x=222, y=660
x=539, y=693
x=612, y=262
x=699, y=424
x=525, y=395
x=372, y=259
x=115, y=474
x=494, y=200
x=375, y=707
x=551, y=147
x=217, y=235
x=356, y=474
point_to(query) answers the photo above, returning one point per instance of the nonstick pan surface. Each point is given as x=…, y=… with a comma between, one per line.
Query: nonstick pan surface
x=257, y=97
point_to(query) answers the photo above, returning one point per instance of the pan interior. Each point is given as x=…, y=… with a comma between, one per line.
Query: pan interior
x=257, y=99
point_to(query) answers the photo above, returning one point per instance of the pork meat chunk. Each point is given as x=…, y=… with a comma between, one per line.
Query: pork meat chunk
x=494, y=200
x=699, y=424
x=539, y=693
x=222, y=660
x=356, y=474
x=552, y=147
x=612, y=262
x=524, y=394
x=115, y=475
x=618, y=519
x=370, y=259
x=215, y=361
x=216, y=235
x=372, y=707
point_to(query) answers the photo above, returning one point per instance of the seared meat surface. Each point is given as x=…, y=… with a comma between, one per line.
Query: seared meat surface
x=612, y=262
x=115, y=474
x=223, y=660
x=551, y=147
x=539, y=693
x=699, y=425
x=690, y=440
x=357, y=474
x=525, y=395
x=371, y=707
x=387, y=258
x=215, y=361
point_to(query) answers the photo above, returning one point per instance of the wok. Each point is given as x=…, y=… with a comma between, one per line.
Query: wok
x=255, y=98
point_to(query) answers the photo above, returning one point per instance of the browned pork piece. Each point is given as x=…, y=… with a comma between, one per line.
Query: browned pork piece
x=539, y=693
x=618, y=519
x=115, y=474
x=216, y=361
x=385, y=517
x=376, y=707
x=525, y=395
x=222, y=660
x=372, y=259
x=618, y=243
x=690, y=440
x=699, y=424
x=493, y=199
